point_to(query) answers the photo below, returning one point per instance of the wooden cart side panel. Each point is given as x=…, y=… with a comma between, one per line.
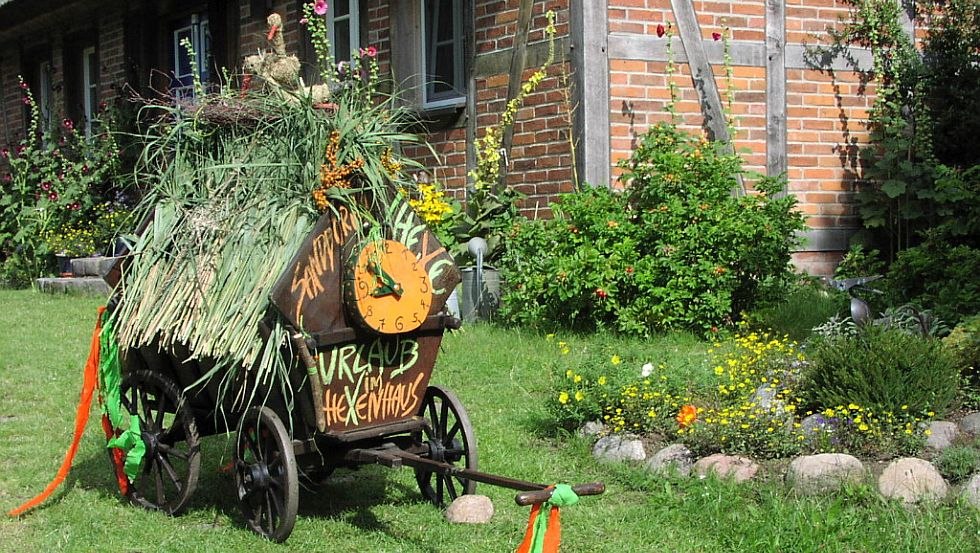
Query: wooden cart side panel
x=376, y=381
x=309, y=293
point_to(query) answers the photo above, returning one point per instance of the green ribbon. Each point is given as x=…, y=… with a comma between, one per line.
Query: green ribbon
x=110, y=387
x=562, y=496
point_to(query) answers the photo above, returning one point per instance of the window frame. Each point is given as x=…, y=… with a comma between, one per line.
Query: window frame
x=457, y=97
x=90, y=87
x=199, y=29
x=353, y=19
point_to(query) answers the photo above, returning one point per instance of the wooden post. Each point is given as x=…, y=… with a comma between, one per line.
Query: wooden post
x=776, y=162
x=590, y=63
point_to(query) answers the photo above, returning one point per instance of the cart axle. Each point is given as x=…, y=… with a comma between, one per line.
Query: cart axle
x=394, y=457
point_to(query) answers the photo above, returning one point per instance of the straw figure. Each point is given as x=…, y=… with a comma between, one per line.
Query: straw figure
x=279, y=70
x=275, y=68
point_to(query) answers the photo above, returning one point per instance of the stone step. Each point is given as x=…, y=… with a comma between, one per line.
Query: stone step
x=91, y=266
x=90, y=285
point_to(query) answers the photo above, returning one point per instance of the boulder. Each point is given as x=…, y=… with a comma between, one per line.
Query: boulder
x=592, y=428
x=676, y=457
x=617, y=448
x=739, y=469
x=941, y=435
x=912, y=481
x=826, y=472
x=470, y=509
x=971, y=491
x=971, y=424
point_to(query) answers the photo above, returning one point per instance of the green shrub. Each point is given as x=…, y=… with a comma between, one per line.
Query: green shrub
x=957, y=463
x=937, y=276
x=675, y=250
x=964, y=343
x=885, y=369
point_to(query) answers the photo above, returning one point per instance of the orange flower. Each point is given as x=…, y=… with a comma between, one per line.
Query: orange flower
x=687, y=415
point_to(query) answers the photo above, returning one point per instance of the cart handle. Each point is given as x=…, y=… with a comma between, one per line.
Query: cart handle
x=540, y=496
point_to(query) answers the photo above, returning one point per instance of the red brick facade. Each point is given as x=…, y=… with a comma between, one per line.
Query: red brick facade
x=825, y=112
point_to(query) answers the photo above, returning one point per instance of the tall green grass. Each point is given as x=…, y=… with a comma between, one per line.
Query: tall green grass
x=501, y=378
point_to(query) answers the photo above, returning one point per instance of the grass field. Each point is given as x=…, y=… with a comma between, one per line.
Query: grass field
x=500, y=377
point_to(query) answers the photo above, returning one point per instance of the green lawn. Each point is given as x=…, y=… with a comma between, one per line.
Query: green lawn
x=501, y=378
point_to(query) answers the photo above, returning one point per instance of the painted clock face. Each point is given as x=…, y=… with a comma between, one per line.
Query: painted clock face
x=388, y=287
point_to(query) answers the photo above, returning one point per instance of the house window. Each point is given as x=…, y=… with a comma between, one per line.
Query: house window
x=442, y=62
x=343, y=23
x=194, y=30
x=90, y=83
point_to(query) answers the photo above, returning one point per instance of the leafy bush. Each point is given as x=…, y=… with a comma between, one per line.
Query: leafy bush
x=58, y=182
x=964, y=343
x=676, y=250
x=938, y=276
x=957, y=463
x=884, y=369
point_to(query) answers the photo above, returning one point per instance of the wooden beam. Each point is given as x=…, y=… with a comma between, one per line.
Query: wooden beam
x=776, y=162
x=628, y=46
x=518, y=61
x=590, y=63
x=701, y=73
x=703, y=77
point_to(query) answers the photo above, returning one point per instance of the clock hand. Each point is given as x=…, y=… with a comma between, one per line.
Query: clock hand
x=386, y=284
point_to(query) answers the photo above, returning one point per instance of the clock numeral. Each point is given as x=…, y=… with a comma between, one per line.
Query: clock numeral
x=381, y=323
x=399, y=325
x=424, y=290
x=425, y=306
x=370, y=311
x=415, y=318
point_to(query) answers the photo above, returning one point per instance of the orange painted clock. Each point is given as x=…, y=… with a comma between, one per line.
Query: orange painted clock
x=387, y=288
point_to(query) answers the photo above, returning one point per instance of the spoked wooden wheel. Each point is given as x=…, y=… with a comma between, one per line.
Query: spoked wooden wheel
x=265, y=474
x=172, y=460
x=450, y=439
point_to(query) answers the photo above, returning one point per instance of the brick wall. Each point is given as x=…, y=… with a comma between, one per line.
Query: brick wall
x=11, y=100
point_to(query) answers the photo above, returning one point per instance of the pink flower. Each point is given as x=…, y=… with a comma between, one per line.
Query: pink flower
x=84, y=169
x=716, y=36
x=660, y=30
x=5, y=153
x=53, y=196
x=75, y=206
x=45, y=186
x=23, y=85
x=320, y=7
x=303, y=21
x=20, y=149
x=370, y=51
x=68, y=124
x=602, y=294
x=27, y=100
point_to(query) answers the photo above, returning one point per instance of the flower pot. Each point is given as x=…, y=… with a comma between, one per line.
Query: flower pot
x=479, y=300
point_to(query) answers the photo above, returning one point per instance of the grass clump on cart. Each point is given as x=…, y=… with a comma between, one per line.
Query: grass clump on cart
x=234, y=183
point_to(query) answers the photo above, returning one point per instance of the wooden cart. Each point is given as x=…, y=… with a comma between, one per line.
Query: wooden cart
x=372, y=314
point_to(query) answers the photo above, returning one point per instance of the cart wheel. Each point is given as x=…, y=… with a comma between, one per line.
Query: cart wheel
x=265, y=473
x=450, y=439
x=170, y=468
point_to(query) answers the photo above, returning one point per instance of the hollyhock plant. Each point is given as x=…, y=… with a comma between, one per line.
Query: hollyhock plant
x=661, y=30
x=320, y=7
